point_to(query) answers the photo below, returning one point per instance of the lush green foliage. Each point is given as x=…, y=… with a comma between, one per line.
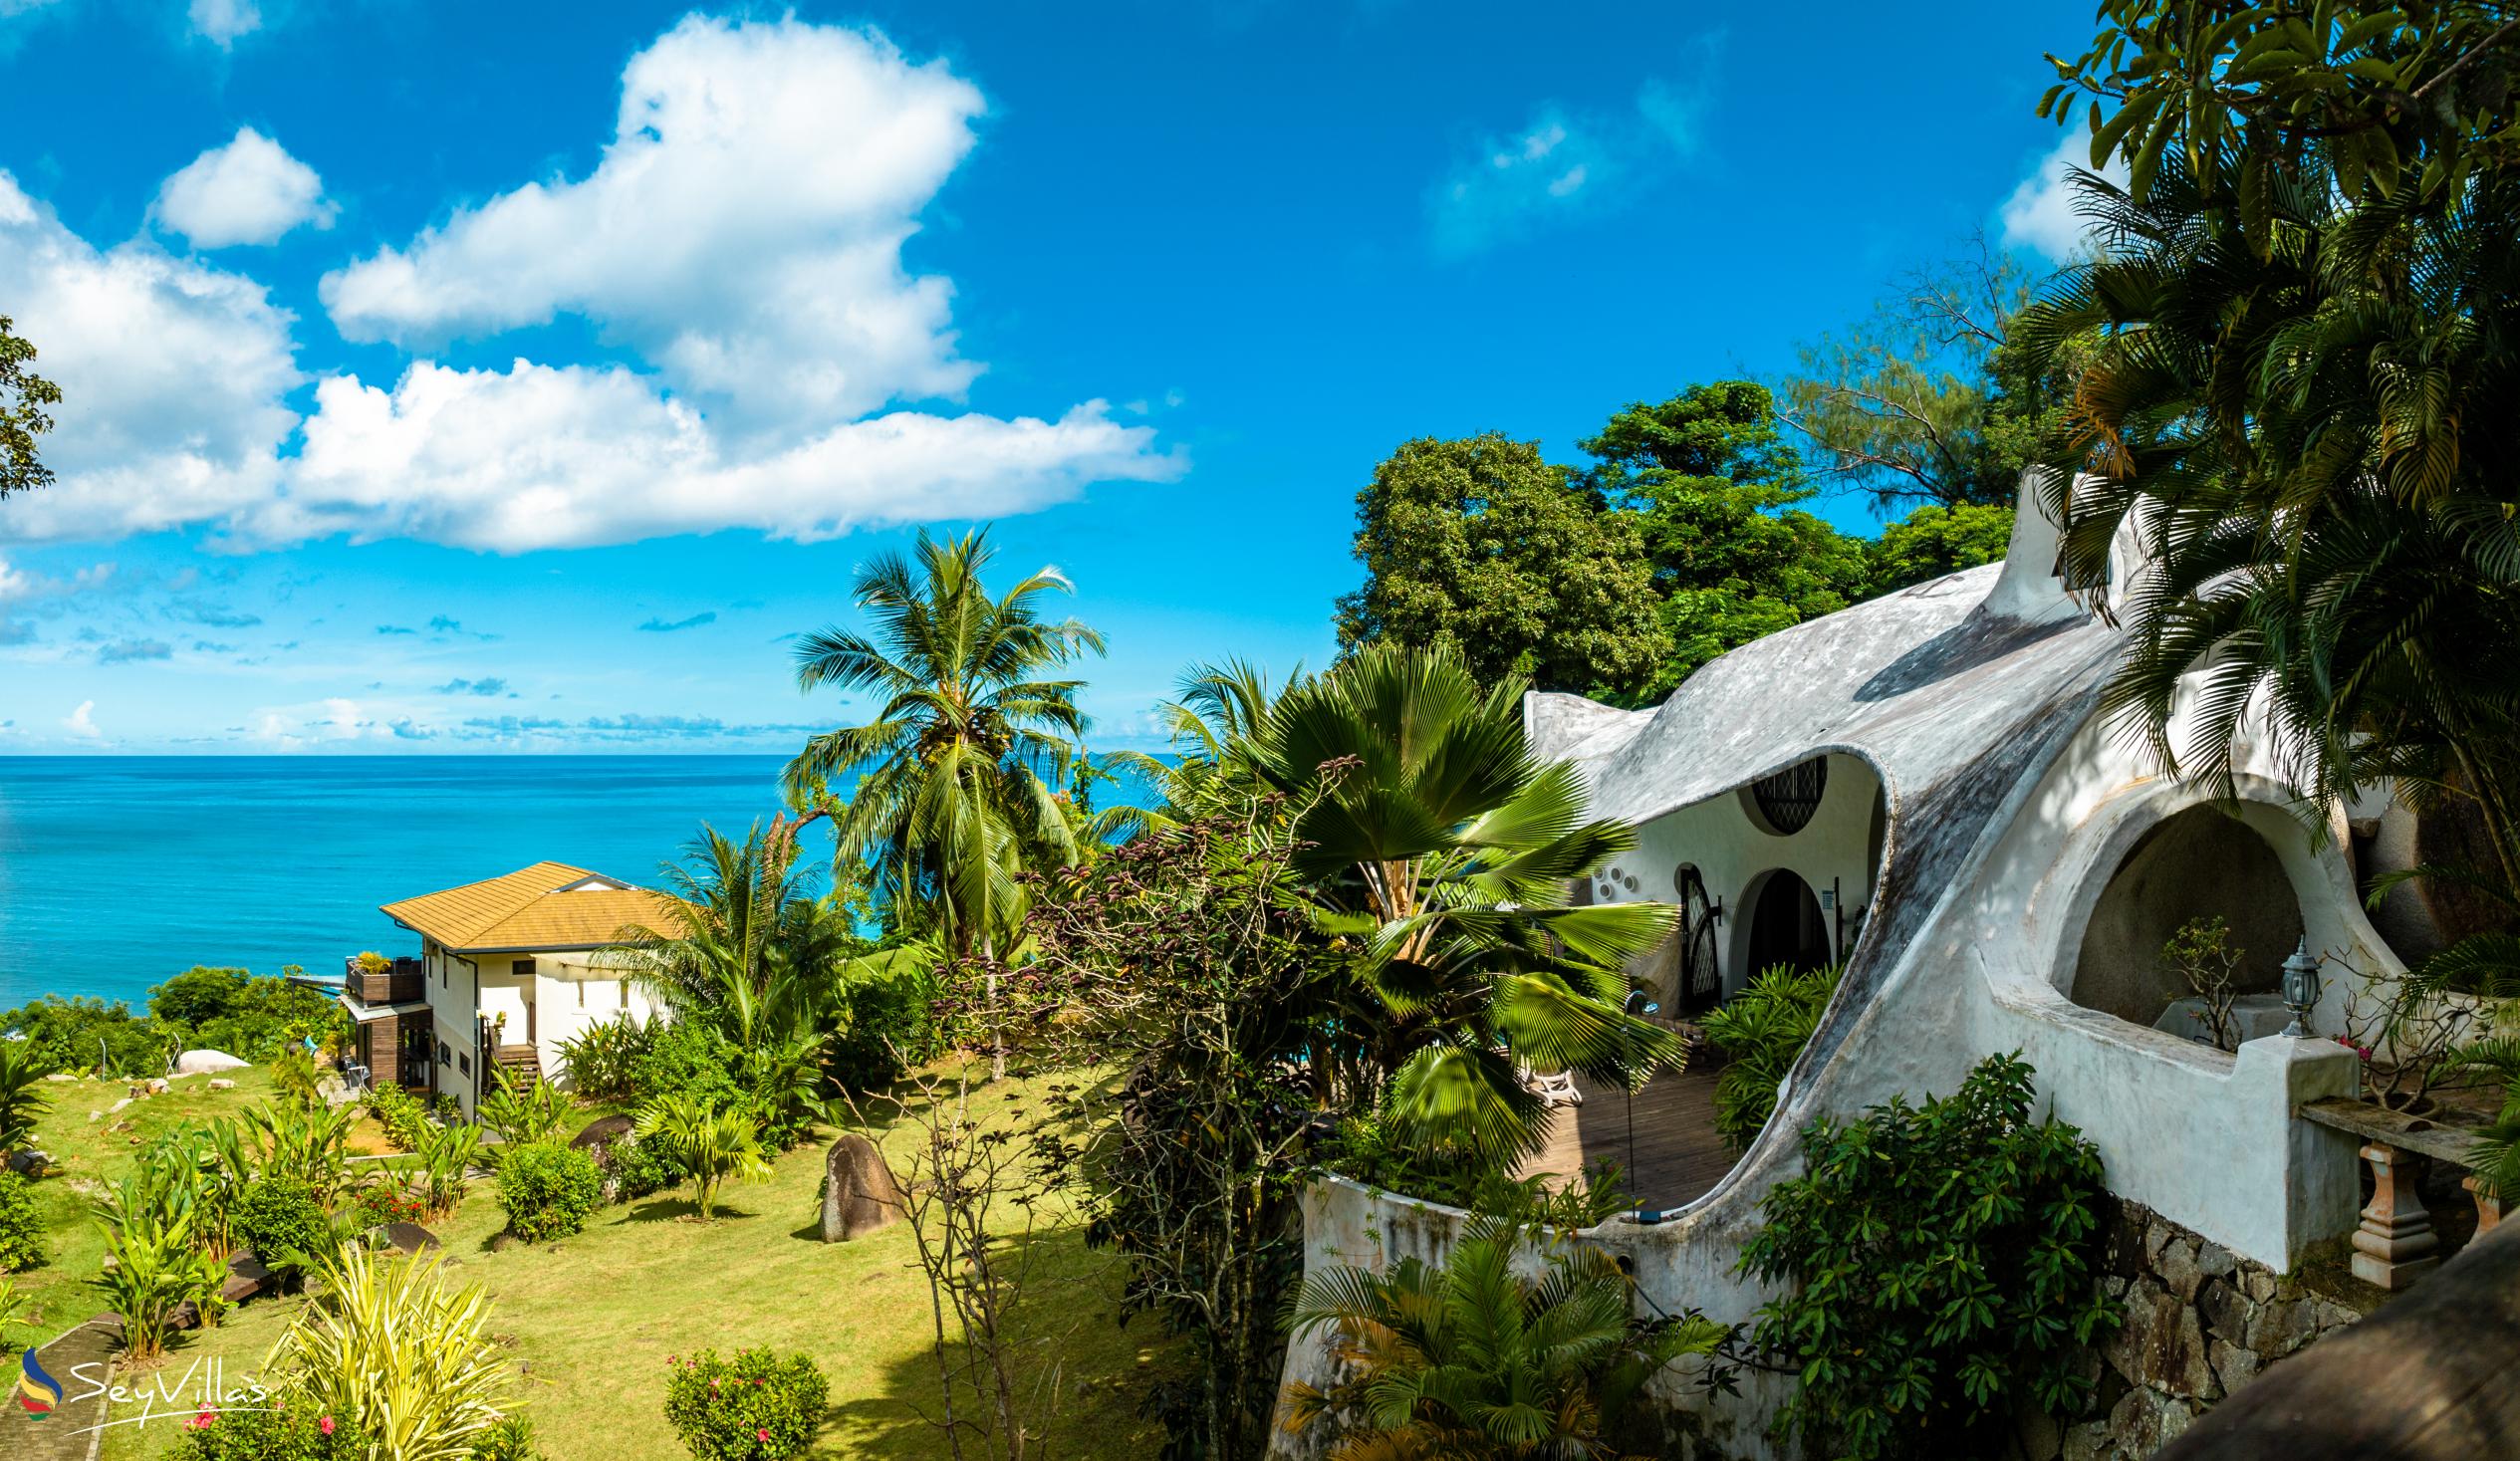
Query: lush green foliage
x=282, y=1220
x=1941, y=1263
x=522, y=1113
x=708, y=1144
x=23, y=417
x=247, y=1015
x=23, y=1100
x=1429, y=835
x=547, y=1190
x=1760, y=1032
x=396, y=1355
x=443, y=1171
x=1935, y=540
x=603, y=1059
x=753, y=1406
x=402, y=1115
x=149, y=1273
x=74, y=1034
x=1475, y=1360
x=1932, y=398
x=885, y=998
x=21, y=1225
x=287, y=1433
x=640, y=1169
x=954, y=773
x=1479, y=546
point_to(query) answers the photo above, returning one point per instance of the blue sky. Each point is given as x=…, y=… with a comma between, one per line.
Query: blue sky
x=448, y=377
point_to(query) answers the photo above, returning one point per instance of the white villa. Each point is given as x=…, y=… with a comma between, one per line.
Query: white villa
x=508, y=969
x=1921, y=787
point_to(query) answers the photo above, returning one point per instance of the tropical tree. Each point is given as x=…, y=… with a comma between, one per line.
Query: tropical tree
x=150, y=1272
x=1479, y=545
x=1473, y=1360
x=22, y=1097
x=1433, y=838
x=747, y=952
x=955, y=774
x=23, y=417
x=1219, y=710
x=2306, y=334
x=397, y=1354
x=712, y=1144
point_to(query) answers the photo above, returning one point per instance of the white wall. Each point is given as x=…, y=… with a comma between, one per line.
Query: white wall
x=1731, y=851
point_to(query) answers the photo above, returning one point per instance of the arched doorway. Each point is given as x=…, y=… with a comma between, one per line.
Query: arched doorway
x=2201, y=863
x=1786, y=926
x=1698, y=977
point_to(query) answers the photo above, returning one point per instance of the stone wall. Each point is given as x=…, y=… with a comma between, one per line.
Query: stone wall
x=2200, y=1323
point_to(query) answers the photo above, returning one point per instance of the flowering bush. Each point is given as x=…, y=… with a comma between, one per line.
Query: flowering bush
x=755, y=1406
x=299, y=1434
x=383, y=1204
x=547, y=1190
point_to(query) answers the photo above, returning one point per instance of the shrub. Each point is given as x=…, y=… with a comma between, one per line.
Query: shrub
x=887, y=1021
x=522, y=1114
x=641, y=1168
x=294, y=1433
x=511, y=1439
x=21, y=1230
x=283, y=1221
x=548, y=1190
x=1760, y=1032
x=690, y=1059
x=755, y=1406
x=1941, y=1264
x=603, y=1059
x=147, y=1276
x=400, y=1114
x=384, y=1203
x=396, y=1351
x=63, y=1035
x=710, y=1145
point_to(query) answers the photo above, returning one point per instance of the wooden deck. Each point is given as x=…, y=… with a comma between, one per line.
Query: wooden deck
x=1679, y=1156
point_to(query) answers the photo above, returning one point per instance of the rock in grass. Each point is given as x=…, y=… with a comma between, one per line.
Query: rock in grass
x=858, y=1193
x=208, y=1061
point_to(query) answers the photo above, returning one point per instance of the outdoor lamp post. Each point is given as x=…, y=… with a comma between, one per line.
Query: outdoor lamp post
x=2301, y=989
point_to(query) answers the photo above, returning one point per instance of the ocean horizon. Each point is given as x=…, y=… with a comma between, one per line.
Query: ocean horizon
x=117, y=872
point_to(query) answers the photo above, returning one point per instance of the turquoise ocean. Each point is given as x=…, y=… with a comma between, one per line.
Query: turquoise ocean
x=117, y=872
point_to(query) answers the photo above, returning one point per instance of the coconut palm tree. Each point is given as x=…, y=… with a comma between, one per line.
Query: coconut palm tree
x=955, y=776
x=1432, y=836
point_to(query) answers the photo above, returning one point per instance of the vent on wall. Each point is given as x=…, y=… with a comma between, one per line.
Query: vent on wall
x=1787, y=799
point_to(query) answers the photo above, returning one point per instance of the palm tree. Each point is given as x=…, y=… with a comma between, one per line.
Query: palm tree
x=954, y=773
x=1220, y=708
x=1473, y=1361
x=1430, y=834
x=710, y=1144
x=2306, y=421
x=747, y=951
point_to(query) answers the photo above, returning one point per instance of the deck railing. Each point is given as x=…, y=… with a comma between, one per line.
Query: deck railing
x=403, y=981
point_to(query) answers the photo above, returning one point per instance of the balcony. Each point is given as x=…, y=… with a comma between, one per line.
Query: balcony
x=405, y=981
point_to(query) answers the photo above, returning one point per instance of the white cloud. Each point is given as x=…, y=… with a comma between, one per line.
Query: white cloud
x=536, y=456
x=1561, y=165
x=221, y=21
x=743, y=229
x=2040, y=213
x=250, y=192
x=740, y=239
x=173, y=377
x=81, y=722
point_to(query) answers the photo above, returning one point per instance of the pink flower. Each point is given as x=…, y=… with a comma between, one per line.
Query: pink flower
x=761, y=1435
x=325, y=1426
x=202, y=1420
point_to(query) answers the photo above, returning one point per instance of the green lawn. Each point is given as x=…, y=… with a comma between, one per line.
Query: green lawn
x=592, y=1320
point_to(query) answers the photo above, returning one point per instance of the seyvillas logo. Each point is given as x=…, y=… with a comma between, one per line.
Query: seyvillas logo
x=38, y=1392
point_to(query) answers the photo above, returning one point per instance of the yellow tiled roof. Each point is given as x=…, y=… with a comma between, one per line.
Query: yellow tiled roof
x=537, y=907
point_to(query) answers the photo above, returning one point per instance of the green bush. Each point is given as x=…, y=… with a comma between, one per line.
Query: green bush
x=511, y=1439
x=1940, y=1271
x=755, y=1406
x=403, y=1116
x=1760, y=1032
x=63, y=1035
x=21, y=1230
x=247, y=1015
x=603, y=1059
x=641, y=1168
x=548, y=1190
x=887, y=1024
x=294, y=1434
x=689, y=1058
x=281, y=1219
